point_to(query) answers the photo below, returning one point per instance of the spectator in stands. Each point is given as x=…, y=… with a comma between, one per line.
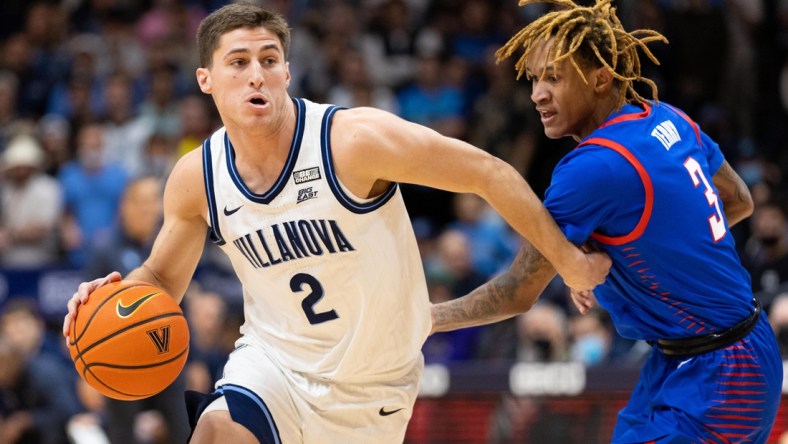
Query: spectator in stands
x=8, y=110
x=31, y=207
x=123, y=248
x=543, y=334
x=196, y=121
x=206, y=313
x=766, y=251
x=159, y=156
x=23, y=326
x=36, y=398
x=492, y=243
x=431, y=101
x=502, y=119
x=160, y=110
x=54, y=133
x=355, y=88
x=450, y=274
x=391, y=44
x=92, y=190
x=452, y=261
x=125, y=130
x=778, y=317
x=476, y=32
x=591, y=338
x=542, y=337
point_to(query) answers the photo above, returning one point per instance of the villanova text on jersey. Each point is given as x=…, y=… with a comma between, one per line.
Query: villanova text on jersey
x=292, y=240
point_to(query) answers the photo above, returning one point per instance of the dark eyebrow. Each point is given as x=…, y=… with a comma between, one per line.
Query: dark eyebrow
x=246, y=51
x=550, y=68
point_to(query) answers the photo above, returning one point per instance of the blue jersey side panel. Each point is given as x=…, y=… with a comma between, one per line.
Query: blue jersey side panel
x=670, y=278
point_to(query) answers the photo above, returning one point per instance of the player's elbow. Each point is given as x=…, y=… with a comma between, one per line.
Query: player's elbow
x=748, y=205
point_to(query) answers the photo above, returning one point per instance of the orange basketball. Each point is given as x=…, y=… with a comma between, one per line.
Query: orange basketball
x=129, y=341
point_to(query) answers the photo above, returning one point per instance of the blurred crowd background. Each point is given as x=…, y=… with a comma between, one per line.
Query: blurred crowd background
x=98, y=99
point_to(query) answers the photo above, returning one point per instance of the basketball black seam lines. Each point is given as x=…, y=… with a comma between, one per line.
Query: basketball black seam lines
x=124, y=329
x=92, y=315
x=129, y=367
x=75, y=342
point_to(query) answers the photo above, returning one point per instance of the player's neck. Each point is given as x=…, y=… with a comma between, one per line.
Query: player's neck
x=256, y=144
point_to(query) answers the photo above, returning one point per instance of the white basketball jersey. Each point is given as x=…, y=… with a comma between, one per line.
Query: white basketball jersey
x=333, y=284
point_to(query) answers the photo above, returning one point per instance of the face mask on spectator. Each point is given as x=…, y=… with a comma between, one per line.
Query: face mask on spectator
x=589, y=349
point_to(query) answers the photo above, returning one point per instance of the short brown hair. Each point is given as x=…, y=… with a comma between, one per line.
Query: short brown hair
x=234, y=16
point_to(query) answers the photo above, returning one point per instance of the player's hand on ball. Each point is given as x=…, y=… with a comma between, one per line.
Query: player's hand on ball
x=81, y=296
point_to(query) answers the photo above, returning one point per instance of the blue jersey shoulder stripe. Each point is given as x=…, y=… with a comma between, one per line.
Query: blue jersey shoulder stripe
x=281, y=182
x=333, y=182
x=207, y=170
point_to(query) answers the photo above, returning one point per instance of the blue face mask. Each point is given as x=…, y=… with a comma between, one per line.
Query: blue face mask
x=590, y=350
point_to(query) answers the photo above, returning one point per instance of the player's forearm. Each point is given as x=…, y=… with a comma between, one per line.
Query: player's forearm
x=146, y=274
x=524, y=211
x=737, y=201
x=507, y=295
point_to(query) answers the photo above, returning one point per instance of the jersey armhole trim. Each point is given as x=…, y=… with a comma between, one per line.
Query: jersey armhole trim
x=333, y=182
x=647, y=186
x=207, y=170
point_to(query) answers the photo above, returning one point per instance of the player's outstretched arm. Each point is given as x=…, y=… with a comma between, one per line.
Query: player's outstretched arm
x=371, y=146
x=178, y=245
x=736, y=198
x=508, y=294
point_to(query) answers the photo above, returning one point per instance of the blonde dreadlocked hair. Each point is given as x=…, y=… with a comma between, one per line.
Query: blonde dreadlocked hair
x=596, y=36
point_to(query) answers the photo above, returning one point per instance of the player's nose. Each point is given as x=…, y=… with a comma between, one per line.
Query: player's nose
x=539, y=92
x=256, y=78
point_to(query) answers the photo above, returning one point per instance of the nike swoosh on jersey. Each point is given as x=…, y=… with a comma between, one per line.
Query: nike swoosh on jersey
x=383, y=412
x=125, y=311
x=229, y=212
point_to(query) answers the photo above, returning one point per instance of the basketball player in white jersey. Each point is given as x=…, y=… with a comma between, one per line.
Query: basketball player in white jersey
x=303, y=198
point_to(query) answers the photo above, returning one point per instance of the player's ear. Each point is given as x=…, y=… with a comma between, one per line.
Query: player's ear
x=287, y=74
x=204, y=80
x=603, y=79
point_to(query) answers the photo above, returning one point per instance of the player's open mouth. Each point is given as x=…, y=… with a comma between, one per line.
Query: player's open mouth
x=257, y=101
x=546, y=115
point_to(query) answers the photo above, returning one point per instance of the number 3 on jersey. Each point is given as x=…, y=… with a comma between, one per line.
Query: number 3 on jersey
x=716, y=221
x=315, y=295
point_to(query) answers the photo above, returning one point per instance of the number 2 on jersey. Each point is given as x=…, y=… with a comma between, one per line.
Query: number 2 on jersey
x=716, y=221
x=315, y=295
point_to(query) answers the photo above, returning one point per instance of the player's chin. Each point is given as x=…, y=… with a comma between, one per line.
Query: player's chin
x=553, y=133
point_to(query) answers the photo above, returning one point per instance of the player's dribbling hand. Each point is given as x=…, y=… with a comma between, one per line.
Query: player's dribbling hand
x=81, y=296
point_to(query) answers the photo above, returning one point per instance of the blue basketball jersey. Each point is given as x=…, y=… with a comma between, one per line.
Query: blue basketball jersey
x=640, y=187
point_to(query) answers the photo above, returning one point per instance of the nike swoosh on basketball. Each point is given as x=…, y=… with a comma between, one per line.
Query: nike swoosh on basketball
x=383, y=412
x=229, y=212
x=125, y=311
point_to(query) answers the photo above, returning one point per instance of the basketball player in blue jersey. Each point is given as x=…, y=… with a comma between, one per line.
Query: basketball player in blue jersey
x=303, y=199
x=647, y=186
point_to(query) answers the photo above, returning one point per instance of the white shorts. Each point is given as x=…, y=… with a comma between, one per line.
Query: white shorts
x=296, y=408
